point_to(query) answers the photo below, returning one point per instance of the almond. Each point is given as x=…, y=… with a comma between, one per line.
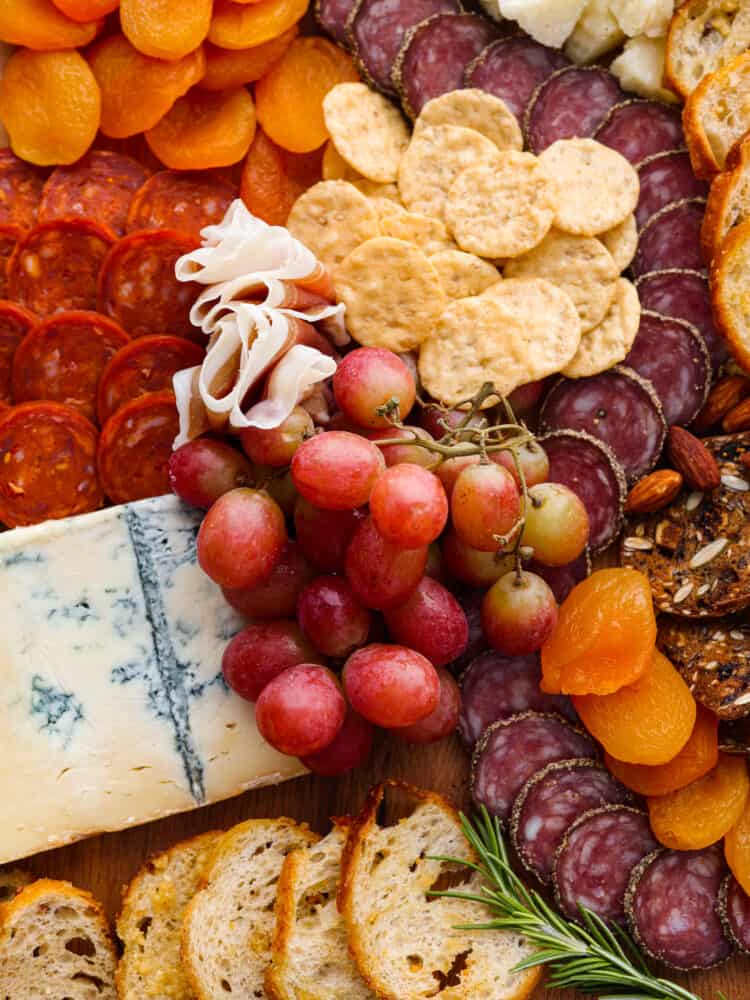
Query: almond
x=738, y=418
x=653, y=492
x=691, y=457
x=724, y=396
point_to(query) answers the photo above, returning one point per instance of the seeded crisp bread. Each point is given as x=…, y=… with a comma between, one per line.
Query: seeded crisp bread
x=477, y=110
x=622, y=242
x=463, y=274
x=368, y=131
x=429, y=234
x=332, y=218
x=609, y=342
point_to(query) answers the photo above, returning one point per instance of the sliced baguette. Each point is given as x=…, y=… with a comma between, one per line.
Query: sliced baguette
x=150, y=921
x=406, y=942
x=12, y=880
x=717, y=116
x=730, y=292
x=728, y=201
x=229, y=925
x=704, y=35
x=55, y=942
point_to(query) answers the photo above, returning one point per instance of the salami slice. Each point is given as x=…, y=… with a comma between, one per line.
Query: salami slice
x=639, y=129
x=671, y=904
x=433, y=59
x=47, y=464
x=562, y=579
x=666, y=178
x=671, y=238
x=55, y=267
x=332, y=16
x=734, y=911
x=618, y=408
x=135, y=446
x=99, y=186
x=570, y=104
x=15, y=323
x=186, y=202
x=550, y=801
x=9, y=237
x=20, y=190
x=63, y=357
x=588, y=467
x=596, y=857
x=144, y=365
x=512, y=750
x=512, y=68
x=138, y=287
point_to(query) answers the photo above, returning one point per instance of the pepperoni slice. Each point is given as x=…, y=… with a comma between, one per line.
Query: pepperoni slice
x=135, y=446
x=734, y=910
x=15, y=323
x=639, y=129
x=99, y=186
x=182, y=201
x=512, y=69
x=138, y=287
x=570, y=104
x=20, y=190
x=144, y=365
x=9, y=237
x=332, y=16
x=63, y=357
x=666, y=178
x=47, y=464
x=672, y=238
x=55, y=267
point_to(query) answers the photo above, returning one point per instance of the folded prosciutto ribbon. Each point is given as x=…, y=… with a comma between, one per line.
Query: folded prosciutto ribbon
x=264, y=291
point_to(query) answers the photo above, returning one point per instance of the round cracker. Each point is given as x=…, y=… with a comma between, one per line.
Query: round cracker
x=462, y=274
x=609, y=342
x=392, y=294
x=385, y=207
x=373, y=189
x=598, y=188
x=334, y=167
x=503, y=208
x=477, y=110
x=580, y=265
x=367, y=130
x=429, y=234
x=332, y=218
x=622, y=242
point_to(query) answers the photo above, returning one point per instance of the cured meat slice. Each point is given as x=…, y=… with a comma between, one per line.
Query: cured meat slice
x=618, y=408
x=20, y=190
x=512, y=68
x=63, y=357
x=671, y=238
x=9, y=237
x=671, y=354
x=588, y=467
x=671, y=906
x=639, y=129
x=138, y=287
x=513, y=749
x=562, y=579
x=376, y=30
x=135, y=446
x=570, y=104
x=666, y=178
x=15, y=323
x=734, y=911
x=550, y=801
x=494, y=687
x=596, y=857
x=332, y=16
x=99, y=186
x=433, y=59
x=185, y=202
x=144, y=365
x=55, y=267
x=47, y=464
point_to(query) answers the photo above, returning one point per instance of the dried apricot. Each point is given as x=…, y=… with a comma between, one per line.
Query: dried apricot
x=165, y=29
x=605, y=635
x=697, y=757
x=50, y=106
x=38, y=24
x=335, y=167
x=240, y=26
x=698, y=815
x=137, y=90
x=205, y=130
x=226, y=68
x=273, y=179
x=647, y=722
x=86, y=10
x=737, y=849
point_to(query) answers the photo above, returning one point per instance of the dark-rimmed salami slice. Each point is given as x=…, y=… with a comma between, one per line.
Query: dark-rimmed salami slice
x=671, y=239
x=20, y=190
x=514, y=749
x=671, y=906
x=434, y=56
x=47, y=464
x=15, y=323
x=638, y=129
x=666, y=178
x=734, y=912
x=512, y=68
x=589, y=468
x=617, y=407
x=332, y=16
x=9, y=238
x=183, y=201
x=562, y=579
x=570, y=104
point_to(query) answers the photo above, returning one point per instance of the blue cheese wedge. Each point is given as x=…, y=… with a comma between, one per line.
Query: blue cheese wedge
x=113, y=709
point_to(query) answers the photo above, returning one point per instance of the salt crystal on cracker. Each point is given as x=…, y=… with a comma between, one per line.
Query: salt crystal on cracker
x=463, y=274
x=367, y=130
x=477, y=110
x=609, y=342
x=331, y=219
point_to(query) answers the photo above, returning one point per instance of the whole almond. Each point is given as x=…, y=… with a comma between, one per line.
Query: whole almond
x=738, y=418
x=724, y=396
x=691, y=457
x=653, y=492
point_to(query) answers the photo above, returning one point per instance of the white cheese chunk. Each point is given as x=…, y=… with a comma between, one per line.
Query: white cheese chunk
x=643, y=17
x=596, y=33
x=548, y=21
x=640, y=68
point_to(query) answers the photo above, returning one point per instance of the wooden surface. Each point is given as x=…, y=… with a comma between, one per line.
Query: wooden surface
x=105, y=863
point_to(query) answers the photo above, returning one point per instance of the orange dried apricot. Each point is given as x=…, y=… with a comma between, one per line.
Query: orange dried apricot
x=647, y=722
x=205, y=130
x=86, y=10
x=701, y=813
x=605, y=635
x=227, y=68
x=240, y=26
x=137, y=90
x=165, y=29
x=38, y=24
x=737, y=849
x=50, y=106
x=697, y=757
x=266, y=188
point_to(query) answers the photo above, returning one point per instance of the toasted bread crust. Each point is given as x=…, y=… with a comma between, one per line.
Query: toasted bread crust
x=701, y=104
x=736, y=242
x=714, y=226
x=692, y=28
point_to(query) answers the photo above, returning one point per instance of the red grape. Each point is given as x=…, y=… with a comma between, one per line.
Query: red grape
x=533, y=460
x=351, y=747
x=277, y=445
x=449, y=471
x=276, y=596
x=471, y=602
x=557, y=525
x=525, y=397
x=478, y=569
x=203, y=470
x=435, y=567
x=261, y=652
x=485, y=503
x=395, y=454
x=431, y=621
x=279, y=488
x=391, y=686
x=442, y=720
x=337, y=470
x=519, y=613
x=324, y=535
x=301, y=711
x=409, y=506
x=382, y=574
x=437, y=421
x=331, y=616
x=367, y=379
x=241, y=538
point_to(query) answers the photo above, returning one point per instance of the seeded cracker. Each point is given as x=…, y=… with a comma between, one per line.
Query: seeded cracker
x=386, y=208
x=477, y=110
x=392, y=294
x=429, y=234
x=367, y=130
x=622, y=242
x=462, y=274
x=609, y=341
x=332, y=218
x=372, y=189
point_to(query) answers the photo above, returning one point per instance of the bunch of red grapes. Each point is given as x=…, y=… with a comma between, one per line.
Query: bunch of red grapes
x=348, y=560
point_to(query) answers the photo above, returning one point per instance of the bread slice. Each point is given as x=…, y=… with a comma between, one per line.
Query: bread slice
x=150, y=921
x=704, y=35
x=229, y=925
x=730, y=292
x=717, y=115
x=55, y=942
x=310, y=954
x=406, y=942
x=12, y=880
x=728, y=201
